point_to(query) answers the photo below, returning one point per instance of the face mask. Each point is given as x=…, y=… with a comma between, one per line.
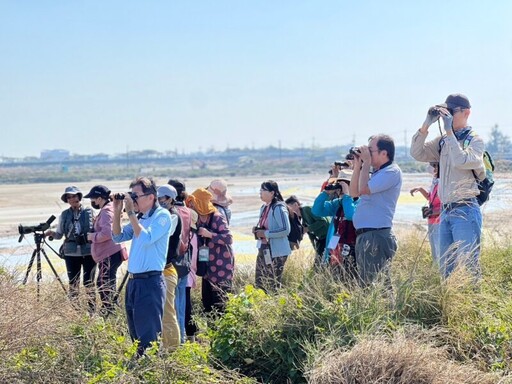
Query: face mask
x=95, y=206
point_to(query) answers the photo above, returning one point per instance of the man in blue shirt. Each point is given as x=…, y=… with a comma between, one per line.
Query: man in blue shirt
x=149, y=232
x=373, y=218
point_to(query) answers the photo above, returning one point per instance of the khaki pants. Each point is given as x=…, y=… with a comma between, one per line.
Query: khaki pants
x=170, y=328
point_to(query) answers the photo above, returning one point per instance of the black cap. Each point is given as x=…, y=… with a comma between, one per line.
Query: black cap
x=98, y=191
x=456, y=100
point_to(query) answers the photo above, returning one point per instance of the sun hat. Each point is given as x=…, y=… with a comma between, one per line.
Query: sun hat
x=218, y=188
x=71, y=191
x=201, y=199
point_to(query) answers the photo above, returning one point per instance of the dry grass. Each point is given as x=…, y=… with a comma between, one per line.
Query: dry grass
x=26, y=319
x=398, y=361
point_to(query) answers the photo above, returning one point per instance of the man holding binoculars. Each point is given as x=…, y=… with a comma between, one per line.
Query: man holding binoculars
x=460, y=164
x=149, y=233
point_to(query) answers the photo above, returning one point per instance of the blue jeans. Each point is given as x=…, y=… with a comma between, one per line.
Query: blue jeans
x=459, y=235
x=433, y=239
x=180, y=304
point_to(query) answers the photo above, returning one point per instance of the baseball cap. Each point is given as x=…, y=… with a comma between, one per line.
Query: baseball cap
x=98, y=191
x=456, y=100
x=166, y=190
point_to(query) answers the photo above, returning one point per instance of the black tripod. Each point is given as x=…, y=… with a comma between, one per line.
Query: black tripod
x=36, y=255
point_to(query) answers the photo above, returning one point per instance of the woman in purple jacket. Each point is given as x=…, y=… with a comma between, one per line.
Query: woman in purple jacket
x=107, y=254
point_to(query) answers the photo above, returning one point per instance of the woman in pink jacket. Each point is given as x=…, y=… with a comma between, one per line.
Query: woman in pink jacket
x=107, y=254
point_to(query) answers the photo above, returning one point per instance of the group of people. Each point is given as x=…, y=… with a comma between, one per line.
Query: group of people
x=170, y=233
x=177, y=237
x=350, y=222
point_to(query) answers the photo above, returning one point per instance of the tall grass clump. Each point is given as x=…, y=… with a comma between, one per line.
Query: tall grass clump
x=464, y=327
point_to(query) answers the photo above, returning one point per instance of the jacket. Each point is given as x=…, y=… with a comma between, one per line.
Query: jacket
x=102, y=245
x=456, y=179
x=278, y=229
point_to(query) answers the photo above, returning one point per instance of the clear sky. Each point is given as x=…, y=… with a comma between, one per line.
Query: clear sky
x=108, y=76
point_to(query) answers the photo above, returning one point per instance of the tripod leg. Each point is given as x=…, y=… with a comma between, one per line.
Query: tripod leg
x=116, y=296
x=54, y=271
x=39, y=271
x=29, y=266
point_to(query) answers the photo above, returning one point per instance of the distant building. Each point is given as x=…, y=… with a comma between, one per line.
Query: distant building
x=54, y=155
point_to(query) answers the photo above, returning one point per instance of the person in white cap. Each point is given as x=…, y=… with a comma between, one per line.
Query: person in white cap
x=170, y=329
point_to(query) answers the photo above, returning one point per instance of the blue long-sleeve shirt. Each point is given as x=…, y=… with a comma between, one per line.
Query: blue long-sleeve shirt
x=148, y=251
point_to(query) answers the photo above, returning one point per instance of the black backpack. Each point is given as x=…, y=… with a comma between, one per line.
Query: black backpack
x=181, y=262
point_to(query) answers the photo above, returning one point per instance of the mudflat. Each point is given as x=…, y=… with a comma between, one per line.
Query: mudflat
x=31, y=204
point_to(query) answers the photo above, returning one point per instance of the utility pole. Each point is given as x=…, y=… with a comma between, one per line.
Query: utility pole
x=405, y=143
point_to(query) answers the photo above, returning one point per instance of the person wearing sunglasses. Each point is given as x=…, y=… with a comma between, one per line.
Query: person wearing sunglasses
x=149, y=231
x=460, y=165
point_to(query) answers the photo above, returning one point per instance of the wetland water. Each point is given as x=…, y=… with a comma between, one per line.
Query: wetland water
x=245, y=192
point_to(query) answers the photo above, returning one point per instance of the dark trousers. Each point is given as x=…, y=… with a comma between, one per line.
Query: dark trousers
x=74, y=265
x=269, y=276
x=319, y=246
x=190, y=325
x=214, y=296
x=144, y=302
x=106, y=282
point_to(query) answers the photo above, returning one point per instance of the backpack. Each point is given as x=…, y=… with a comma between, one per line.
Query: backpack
x=485, y=185
x=180, y=249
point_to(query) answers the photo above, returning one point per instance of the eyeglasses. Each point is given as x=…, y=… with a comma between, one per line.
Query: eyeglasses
x=134, y=196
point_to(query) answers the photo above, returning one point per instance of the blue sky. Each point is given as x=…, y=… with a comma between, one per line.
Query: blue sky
x=110, y=76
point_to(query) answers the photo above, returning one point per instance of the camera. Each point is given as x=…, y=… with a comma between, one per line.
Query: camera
x=81, y=239
x=26, y=229
x=354, y=151
x=426, y=211
x=256, y=228
x=340, y=164
x=333, y=185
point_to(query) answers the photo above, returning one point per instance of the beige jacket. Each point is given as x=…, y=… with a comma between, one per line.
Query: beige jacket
x=456, y=180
